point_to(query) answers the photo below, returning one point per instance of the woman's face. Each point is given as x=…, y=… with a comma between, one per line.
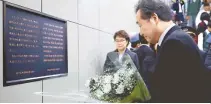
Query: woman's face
x=207, y=9
x=121, y=43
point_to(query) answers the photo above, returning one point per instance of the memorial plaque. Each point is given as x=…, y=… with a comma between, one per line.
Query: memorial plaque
x=35, y=45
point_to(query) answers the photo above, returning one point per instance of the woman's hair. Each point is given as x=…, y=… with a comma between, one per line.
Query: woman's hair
x=202, y=26
x=122, y=34
x=206, y=4
x=205, y=1
x=205, y=16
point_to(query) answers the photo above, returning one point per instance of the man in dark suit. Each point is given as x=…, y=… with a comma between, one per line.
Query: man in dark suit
x=179, y=74
x=194, y=34
x=145, y=55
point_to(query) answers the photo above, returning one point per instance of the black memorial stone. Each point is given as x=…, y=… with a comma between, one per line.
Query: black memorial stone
x=35, y=45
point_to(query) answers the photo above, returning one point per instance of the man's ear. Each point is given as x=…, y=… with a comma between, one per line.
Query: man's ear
x=154, y=19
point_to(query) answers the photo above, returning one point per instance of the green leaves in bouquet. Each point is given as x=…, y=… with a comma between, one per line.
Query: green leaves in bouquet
x=94, y=84
x=139, y=94
x=120, y=82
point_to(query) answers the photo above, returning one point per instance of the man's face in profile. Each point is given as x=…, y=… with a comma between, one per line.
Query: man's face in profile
x=147, y=27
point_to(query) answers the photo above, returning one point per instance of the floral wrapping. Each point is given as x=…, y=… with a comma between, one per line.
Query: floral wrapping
x=120, y=82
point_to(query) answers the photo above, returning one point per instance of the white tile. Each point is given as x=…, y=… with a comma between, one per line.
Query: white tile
x=88, y=12
x=106, y=45
x=57, y=87
x=88, y=54
x=118, y=14
x=23, y=93
x=65, y=9
x=32, y=4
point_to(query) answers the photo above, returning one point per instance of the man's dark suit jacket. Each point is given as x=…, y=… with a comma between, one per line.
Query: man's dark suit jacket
x=179, y=74
x=146, y=60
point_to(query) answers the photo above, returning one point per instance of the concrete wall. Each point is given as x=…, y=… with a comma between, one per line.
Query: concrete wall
x=91, y=24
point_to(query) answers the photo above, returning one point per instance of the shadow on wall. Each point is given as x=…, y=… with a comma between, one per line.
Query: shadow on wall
x=95, y=62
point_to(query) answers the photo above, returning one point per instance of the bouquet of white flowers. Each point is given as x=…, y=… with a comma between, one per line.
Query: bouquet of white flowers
x=120, y=82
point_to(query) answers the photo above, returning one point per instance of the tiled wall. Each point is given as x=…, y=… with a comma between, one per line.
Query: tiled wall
x=91, y=24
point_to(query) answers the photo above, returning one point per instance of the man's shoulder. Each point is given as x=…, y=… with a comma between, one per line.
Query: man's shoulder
x=145, y=48
x=180, y=36
x=131, y=52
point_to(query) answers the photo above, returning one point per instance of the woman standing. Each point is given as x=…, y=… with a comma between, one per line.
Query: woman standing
x=122, y=40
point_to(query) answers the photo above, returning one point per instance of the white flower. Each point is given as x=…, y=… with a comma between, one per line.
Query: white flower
x=130, y=72
x=95, y=79
x=116, y=78
x=124, y=78
x=120, y=89
x=107, y=88
x=99, y=93
x=107, y=79
x=121, y=71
